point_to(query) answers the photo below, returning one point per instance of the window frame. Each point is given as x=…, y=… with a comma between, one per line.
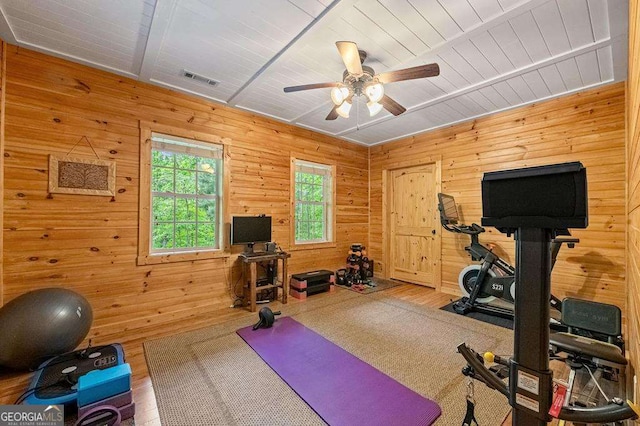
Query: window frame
x=331, y=207
x=145, y=256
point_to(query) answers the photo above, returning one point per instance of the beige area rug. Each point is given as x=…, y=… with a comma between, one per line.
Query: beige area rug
x=211, y=376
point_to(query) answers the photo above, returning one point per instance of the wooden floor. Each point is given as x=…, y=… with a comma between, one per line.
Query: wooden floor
x=12, y=384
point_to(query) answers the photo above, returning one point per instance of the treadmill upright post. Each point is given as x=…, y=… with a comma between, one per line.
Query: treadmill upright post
x=530, y=378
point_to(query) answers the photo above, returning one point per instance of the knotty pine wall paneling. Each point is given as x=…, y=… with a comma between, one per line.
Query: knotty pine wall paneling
x=633, y=188
x=3, y=69
x=89, y=243
x=586, y=127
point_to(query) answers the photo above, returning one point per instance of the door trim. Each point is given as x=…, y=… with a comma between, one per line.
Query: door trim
x=387, y=197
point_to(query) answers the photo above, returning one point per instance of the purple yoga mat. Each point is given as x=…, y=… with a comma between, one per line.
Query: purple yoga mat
x=341, y=388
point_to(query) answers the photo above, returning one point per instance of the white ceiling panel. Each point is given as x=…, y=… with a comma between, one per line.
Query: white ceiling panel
x=529, y=34
x=600, y=21
x=509, y=4
x=438, y=18
x=548, y=19
x=477, y=108
x=489, y=48
x=375, y=12
x=507, y=93
x=495, y=97
x=486, y=9
x=553, y=79
x=482, y=100
x=522, y=89
x=103, y=36
x=570, y=73
x=588, y=67
x=461, y=65
x=476, y=59
x=465, y=108
x=510, y=45
x=450, y=114
x=226, y=41
x=605, y=63
x=536, y=84
x=461, y=12
x=493, y=54
x=443, y=83
x=311, y=7
x=575, y=15
x=413, y=21
x=365, y=25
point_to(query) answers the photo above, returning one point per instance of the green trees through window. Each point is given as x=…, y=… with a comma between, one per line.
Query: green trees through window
x=312, y=202
x=185, y=198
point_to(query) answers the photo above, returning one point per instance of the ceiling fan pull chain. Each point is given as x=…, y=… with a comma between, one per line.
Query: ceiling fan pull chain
x=358, y=113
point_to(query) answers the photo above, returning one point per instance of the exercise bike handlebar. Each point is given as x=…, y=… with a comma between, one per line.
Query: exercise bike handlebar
x=615, y=411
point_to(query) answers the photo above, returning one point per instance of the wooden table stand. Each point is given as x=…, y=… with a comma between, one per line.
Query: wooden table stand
x=250, y=276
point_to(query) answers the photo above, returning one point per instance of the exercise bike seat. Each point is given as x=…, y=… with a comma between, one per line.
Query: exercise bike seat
x=588, y=349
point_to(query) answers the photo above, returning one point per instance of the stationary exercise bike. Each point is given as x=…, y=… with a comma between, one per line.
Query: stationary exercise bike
x=493, y=277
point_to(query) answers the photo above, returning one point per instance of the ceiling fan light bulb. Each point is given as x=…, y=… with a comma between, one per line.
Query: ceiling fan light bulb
x=374, y=108
x=339, y=94
x=343, y=110
x=374, y=92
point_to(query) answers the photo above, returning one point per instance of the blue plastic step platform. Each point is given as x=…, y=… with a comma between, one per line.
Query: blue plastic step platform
x=56, y=380
x=98, y=385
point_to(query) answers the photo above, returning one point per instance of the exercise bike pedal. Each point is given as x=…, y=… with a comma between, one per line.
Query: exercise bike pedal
x=462, y=306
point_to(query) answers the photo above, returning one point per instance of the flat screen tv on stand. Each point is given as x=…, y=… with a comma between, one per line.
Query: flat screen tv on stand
x=249, y=230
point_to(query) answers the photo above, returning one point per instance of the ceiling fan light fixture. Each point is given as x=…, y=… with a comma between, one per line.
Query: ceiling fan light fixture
x=339, y=94
x=374, y=91
x=361, y=80
x=343, y=109
x=374, y=108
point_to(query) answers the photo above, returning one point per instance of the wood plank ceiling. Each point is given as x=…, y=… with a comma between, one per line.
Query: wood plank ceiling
x=493, y=54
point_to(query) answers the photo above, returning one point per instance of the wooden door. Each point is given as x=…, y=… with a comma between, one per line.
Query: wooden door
x=413, y=225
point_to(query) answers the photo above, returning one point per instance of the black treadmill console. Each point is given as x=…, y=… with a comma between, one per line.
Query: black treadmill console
x=550, y=197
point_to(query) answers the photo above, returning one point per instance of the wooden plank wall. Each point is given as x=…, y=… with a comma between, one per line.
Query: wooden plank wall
x=586, y=127
x=633, y=186
x=89, y=243
x=3, y=69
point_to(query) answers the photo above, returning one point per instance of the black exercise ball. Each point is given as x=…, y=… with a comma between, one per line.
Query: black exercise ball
x=41, y=324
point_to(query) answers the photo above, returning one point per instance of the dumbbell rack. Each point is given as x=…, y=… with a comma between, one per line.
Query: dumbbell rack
x=359, y=266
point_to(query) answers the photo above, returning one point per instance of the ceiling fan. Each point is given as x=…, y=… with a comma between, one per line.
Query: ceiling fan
x=359, y=80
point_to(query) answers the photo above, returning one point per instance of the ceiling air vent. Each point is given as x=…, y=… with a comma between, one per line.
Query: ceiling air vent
x=199, y=78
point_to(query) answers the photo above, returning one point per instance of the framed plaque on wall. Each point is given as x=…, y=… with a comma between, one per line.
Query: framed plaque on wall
x=73, y=175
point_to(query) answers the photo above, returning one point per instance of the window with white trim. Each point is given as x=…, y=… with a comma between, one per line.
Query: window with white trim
x=186, y=195
x=313, y=214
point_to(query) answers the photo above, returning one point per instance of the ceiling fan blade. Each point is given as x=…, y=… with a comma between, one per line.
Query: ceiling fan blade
x=350, y=56
x=421, y=71
x=309, y=87
x=392, y=106
x=333, y=114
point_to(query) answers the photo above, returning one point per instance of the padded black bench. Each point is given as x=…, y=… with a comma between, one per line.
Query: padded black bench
x=588, y=350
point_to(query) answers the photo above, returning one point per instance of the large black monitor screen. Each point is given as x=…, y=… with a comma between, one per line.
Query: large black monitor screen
x=250, y=229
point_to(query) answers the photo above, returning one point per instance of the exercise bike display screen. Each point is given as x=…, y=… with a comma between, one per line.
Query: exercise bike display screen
x=449, y=211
